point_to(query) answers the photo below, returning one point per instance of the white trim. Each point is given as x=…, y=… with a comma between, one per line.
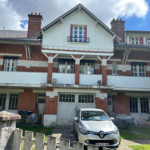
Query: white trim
x=101, y=95
x=137, y=94
x=9, y=54
x=114, y=59
x=131, y=60
x=112, y=93
x=51, y=94
x=77, y=53
x=11, y=90
x=50, y=59
x=39, y=91
x=131, y=89
x=77, y=60
x=104, y=62
x=1, y=61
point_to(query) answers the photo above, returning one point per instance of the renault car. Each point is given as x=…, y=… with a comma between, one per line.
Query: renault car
x=93, y=126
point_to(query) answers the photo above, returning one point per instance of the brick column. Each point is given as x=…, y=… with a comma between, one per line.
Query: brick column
x=77, y=70
x=50, y=68
x=50, y=107
x=104, y=70
x=101, y=100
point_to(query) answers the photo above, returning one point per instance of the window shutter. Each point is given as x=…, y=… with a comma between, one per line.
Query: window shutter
x=86, y=33
x=142, y=40
x=71, y=33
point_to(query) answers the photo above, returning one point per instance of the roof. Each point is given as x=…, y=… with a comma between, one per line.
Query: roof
x=136, y=31
x=13, y=34
x=39, y=33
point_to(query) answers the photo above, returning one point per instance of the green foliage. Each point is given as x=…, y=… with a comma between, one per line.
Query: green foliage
x=140, y=147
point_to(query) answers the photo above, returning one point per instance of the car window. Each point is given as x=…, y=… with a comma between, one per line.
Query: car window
x=94, y=116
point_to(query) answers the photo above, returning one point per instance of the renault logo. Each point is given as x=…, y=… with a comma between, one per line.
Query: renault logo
x=101, y=134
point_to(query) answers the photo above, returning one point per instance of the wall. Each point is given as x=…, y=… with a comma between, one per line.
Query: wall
x=57, y=35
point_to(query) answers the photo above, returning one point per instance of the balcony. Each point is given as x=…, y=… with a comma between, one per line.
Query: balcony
x=78, y=39
x=129, y=82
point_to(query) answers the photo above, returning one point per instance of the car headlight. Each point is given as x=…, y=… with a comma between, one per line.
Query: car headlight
x=116, y=131
x=83, y=130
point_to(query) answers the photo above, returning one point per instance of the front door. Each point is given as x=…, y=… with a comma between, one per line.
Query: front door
x=68, y=104
x=41, y=103
x=110, y=103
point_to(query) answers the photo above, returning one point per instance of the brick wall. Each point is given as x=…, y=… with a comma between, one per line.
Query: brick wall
x=51, y=104
x=27, y=100
x=121, y=103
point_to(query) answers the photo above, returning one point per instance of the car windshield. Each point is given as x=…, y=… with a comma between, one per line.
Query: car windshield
x=94, y=116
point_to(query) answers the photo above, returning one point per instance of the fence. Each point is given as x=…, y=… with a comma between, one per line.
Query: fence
x=41, y=144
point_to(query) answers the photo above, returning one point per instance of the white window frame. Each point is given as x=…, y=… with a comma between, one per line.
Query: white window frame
x=41, y=98
x=136, y=41
x=84, y=68
x=66, y=69
x=91, y=98
x=133, y=99
x=78, y=37
x=10, y=64
x=136, y=70
x=73, y=99
x=114, y=68
x=148, y=41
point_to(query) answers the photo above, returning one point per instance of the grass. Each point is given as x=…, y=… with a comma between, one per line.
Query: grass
x=36, y=129
x=125, y=133
x=140, y=147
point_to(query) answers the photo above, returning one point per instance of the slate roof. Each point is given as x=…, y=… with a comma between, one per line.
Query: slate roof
x=13, y=34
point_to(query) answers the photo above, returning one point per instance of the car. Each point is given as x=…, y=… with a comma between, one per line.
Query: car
x=93, y=126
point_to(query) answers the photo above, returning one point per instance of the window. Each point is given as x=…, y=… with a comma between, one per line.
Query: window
x=87, y=67
x=13, y=101
x=138, y=69
x=41, y=98
x=2, y=101
x=144, y=105
x=136, y=41
x=133, y=105
x=10, y=64
x=109, y=100
x=78, y=34
x=86, y=99
x=66, y=98
x=66, y=66
x=148, y=41
x=114, y=67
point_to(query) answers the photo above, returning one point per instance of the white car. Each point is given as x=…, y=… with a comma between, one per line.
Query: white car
x=93, y=126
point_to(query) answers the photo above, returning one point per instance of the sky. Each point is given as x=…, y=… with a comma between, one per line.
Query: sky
x=14, y=13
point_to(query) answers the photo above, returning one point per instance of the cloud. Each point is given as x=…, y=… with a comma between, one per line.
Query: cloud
x=13, y=12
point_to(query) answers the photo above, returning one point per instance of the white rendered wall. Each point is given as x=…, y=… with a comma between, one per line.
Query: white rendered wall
x=49, y=120
x=23, y=77
x=128, y=82
x=56, y=36
x=89, y=79
x=64, y=78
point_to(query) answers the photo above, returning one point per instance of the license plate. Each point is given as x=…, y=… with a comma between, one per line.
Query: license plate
x=102, y=144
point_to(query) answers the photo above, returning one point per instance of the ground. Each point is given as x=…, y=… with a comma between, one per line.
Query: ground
x=132, y=138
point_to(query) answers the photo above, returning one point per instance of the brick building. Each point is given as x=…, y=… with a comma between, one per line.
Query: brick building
x=95, y=67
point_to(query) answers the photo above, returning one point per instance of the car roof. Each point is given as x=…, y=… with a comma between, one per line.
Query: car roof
x=90, y=109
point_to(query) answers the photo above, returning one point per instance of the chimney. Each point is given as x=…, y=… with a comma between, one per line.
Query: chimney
x=118, y=26
x=34, y=24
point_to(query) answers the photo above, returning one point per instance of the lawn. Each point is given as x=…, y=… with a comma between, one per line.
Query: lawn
x=125, y=133
x=140, y=147
x=36, y=129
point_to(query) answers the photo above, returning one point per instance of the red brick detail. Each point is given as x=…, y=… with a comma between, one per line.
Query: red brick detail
x=27, y=100
x=1, y=67
x=148, y=73
x=117, y=26
x=109, y=72
x=101, y=104
x=121, y=103
x=34, y=24
x=49, y=74
x=77, y=74
x=77, y=56
x=104, y=57
x=51, y=104
x=124, y=73
x=104, y=75
x=50, y=54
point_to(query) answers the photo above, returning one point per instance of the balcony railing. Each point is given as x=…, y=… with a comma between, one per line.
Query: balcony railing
x=78, y=39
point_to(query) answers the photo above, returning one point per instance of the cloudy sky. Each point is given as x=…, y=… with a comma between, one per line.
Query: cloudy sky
x=14, y=13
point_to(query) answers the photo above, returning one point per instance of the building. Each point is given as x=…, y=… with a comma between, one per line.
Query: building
x=94, y=67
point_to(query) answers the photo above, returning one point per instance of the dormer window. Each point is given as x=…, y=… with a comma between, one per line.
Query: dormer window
x=136, y=41
x=148, y=41
x=78, y=33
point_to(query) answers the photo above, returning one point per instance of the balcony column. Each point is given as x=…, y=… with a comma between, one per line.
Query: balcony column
x=77, y=69
x=50, y=68
x=104, y=70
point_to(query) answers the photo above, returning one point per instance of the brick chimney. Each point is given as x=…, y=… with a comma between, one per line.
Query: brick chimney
x=117, y=26
x=34, y=24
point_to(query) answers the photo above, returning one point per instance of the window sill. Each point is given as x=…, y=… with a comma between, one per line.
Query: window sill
x=78, y=43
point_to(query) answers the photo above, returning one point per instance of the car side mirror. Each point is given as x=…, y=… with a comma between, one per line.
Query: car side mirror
x=112, y=118
x=75, y=118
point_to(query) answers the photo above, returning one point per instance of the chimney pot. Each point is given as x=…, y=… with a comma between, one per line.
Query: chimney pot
x=120, y=19
x=113, y=18
x=32, y=13
x=40, y=14
x=35, y=13
x=117, y=19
